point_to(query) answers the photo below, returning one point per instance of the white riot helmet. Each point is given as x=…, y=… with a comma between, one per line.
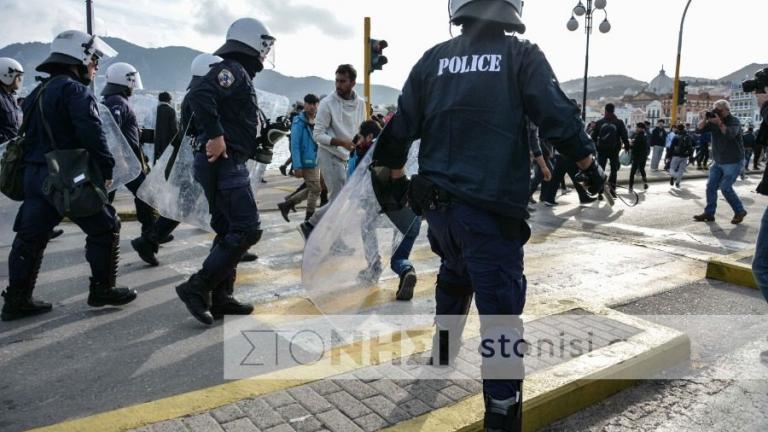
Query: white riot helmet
x=248, y=36
x=505, y=12
x=9, y=70
x=122, y=78
x=203, y=63
x=74, y=47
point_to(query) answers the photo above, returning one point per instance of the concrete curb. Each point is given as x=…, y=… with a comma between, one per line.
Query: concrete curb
x=733, y=272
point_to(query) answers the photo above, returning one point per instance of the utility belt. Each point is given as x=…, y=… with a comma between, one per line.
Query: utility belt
x=424, y=195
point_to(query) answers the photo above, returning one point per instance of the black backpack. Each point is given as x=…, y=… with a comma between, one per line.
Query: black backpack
x=608, y=137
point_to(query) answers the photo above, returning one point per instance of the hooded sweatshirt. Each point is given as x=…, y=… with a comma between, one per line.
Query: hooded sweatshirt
x=338, y=118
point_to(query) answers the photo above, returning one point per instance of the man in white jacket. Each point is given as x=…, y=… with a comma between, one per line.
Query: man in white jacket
x=338, y=120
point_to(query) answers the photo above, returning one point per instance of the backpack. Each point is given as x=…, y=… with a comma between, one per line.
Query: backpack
x=608, y=137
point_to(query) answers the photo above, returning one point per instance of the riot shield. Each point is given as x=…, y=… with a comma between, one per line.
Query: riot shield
x=347, y=256
x=127, y=166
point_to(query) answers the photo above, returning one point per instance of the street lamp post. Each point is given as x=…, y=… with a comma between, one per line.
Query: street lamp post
x=573, y=24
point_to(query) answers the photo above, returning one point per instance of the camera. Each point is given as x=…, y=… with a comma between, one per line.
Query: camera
x=758, y=84
x=710, y=115
x=273, y=133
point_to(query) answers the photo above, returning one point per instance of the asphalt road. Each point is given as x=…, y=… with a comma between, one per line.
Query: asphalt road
x=77, y=361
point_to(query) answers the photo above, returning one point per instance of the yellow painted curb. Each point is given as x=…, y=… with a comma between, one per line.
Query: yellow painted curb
x=728, y=269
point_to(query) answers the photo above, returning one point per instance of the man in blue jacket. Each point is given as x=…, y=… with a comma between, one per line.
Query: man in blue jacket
x=304, y=157
x=67, y=106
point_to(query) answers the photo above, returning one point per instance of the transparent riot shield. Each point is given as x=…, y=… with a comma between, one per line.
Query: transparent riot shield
x=273, y=105
x=347, y=257
x=180, y=197
x=127, y=166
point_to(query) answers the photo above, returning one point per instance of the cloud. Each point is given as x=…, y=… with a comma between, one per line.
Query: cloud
x=47, y=22
x=288, y=17
x=213, y=17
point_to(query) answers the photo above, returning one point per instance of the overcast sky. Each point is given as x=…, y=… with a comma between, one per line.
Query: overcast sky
x=315, y=36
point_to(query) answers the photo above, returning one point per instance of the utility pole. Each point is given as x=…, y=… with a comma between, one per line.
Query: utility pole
x=367, y=66
x=89, y=16
x=676, y=91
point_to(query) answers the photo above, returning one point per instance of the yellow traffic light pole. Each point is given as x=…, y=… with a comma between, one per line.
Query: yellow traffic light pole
x=367, y=66
x=676, y=90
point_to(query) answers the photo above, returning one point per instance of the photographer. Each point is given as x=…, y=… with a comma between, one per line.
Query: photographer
x=728, y=157
x=760, y=260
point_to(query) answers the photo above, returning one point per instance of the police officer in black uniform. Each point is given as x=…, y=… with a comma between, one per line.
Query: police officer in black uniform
x=148, y=244
x=467, y=99
x=69, y=108
x=122, y=80
x=11, y=77
x=225, y=106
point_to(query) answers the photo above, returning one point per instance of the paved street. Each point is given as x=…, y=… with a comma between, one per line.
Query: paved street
x=77, y=361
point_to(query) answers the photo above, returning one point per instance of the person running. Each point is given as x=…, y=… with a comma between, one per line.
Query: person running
x=640, y=150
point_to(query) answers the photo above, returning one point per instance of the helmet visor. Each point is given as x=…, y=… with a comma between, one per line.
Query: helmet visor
x=98, y=48
x=134, y=79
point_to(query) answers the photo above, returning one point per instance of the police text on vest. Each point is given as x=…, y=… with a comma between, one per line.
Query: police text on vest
x=474, y=63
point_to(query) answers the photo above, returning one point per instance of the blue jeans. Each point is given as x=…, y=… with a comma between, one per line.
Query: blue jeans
x=760, y=261
x=538, y=175
x=722, y=176
x=747, y=157
x=406, y=222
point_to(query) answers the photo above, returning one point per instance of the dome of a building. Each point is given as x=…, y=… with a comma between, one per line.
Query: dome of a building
x=662, y=84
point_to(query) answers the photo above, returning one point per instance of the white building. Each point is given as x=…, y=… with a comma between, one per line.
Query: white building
x=744, y=106
x=654, y=111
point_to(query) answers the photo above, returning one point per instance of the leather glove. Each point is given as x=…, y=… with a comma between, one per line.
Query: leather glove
x=392, y=195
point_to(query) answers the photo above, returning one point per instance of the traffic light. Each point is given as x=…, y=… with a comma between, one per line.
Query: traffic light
x=682, y=93
x=377, y=58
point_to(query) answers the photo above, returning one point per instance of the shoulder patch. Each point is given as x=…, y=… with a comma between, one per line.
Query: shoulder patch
x=226, y=78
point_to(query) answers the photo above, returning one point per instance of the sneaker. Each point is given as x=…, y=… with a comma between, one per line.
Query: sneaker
x=631, y=189
x=704, y=218
x=282, y=170
x=370, y=275
x=612, y=191
x=306, y=229
x=739, y=218
x=406, y=286
x=550, y=203
x=671, y=181
x=341, y=249
x=645, y=186
x=677, y=184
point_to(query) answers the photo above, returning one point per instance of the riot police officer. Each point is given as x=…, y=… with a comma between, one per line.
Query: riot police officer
x=231, y=124
x=11, y=78
x=67, y=106
x=467, y=99
x=122, y=80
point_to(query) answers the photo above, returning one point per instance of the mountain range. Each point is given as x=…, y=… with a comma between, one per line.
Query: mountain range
x=167, y=69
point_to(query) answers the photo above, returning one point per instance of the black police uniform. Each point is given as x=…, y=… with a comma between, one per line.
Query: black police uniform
x=117, y=103
x=468, y=99
x=71, y=111
x=224, y=103
x=10, y=116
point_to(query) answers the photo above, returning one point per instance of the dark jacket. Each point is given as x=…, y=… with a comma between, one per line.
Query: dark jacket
x=129, y=126
x=658, y=137
x=727, y=148
x=682, y=145
x=224, y=102
x=166, y=128
x=640, y=147
x=10, y=116
x=468, y=99
x=749, y=140
x=73, y=116
x=623, y=135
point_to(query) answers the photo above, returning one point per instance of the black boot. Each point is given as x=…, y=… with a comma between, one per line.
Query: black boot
x=223, y=303
x=146, y=247
x=18, y=300
x=285, y=208
x=106, y=292
x=504, y=415
x=196, y=295
x=308, y=216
